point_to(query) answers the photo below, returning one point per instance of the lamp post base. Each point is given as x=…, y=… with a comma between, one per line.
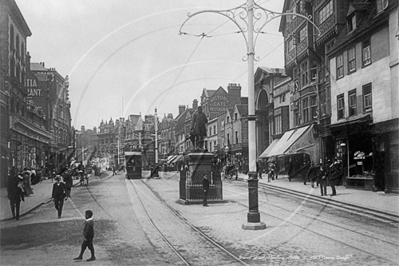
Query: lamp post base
x=253, y=217
x=254, y=226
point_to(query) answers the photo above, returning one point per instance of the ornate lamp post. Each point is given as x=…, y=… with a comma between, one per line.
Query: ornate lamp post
x=244, y=17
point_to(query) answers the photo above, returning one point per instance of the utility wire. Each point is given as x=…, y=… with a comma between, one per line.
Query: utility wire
x=202, y=37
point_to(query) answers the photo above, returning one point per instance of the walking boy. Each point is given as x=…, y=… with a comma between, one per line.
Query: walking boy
x=88, y=235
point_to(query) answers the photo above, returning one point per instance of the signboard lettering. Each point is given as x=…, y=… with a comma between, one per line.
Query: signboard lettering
x=34, y=92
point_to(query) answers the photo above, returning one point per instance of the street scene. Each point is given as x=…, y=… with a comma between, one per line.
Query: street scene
x=237, y=132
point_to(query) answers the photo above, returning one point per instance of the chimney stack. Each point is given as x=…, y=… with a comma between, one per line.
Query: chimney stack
x=234, y=90
x=182, y=108
x=195, y=104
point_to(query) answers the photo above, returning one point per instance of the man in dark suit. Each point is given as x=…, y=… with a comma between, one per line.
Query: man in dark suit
x=205, y=186
x=59, y=195
x=15, y=193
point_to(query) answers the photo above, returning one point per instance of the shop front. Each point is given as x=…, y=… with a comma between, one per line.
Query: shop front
x=386, y=151
x=28, y=145
x=354, y=148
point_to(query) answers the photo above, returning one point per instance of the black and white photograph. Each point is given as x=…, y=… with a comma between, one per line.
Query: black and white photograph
x=171, y=132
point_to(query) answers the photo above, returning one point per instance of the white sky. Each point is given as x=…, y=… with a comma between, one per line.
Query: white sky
x=126, y=57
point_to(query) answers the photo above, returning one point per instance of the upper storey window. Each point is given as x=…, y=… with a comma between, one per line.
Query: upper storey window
x=352, y=22
x=303, y=34
x=326, y=12
x=12, y=37
x=366, y=53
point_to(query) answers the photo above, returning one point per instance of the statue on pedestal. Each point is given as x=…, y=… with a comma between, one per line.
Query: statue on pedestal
x=198, y=129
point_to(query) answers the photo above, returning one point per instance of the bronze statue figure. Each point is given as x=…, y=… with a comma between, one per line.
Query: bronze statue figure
x=198, y=129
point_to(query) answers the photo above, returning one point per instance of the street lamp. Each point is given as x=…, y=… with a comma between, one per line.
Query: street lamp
x=243, y=17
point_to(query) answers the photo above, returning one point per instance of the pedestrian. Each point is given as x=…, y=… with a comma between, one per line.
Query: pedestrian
x=59, y=195
x=26, y=181
x=323, y=173
x=15, y=194
x=88, y=235
x=259, y=169
x=114, y=170
x=335, y=175
x=290, y=170
x=205, y=186
x=67, y=177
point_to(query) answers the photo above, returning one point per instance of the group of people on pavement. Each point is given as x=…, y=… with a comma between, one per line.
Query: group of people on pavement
x=18, y=187
x=329, y=174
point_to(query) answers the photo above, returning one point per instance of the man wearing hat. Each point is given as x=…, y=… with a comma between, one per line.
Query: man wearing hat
x=15, y=193
x=59, y=195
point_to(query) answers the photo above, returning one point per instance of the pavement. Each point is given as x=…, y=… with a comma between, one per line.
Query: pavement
x=41, y=195
x=379, y=201
x=366, y=199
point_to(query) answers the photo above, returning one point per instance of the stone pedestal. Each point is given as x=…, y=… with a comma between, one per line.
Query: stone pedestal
x=190, y=188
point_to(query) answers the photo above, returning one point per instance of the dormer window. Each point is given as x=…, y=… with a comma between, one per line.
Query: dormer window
x=352, y=22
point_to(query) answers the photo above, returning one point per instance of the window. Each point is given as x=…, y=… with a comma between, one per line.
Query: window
x=278, y=124
x=228, y=119
x=351, y=60
x=282, y=98
x=210, y=131
x=235, y=117
x=303, y=34
x=304, y=73
x=352, y=102
x=313, y=107
x=367, y=99
x=325, y=12
x=352, y=22
x=290, y=44
x=214, y=129
x=17, y=45
x=381, y=5
x=236, y=137
x=297, y=118
x=228, y=138
x=366, y=53
x=340, y=66
x=340, y=106
x=11, y=37
x=305, y=110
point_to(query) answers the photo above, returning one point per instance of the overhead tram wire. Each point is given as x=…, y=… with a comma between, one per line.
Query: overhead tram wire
x=202, y=35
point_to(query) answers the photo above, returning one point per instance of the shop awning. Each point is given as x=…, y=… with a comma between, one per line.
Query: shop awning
x=177, y=158
x=269, y=148
x=299, y=140
x=170, y=158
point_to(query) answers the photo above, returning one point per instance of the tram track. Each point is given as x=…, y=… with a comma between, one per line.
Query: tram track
x=317, y=219
x=364, y=211
x=234, y=260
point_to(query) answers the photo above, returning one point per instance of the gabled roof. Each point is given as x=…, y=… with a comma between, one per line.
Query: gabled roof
x=242, y=109
x=368, y=23
x=181, y=120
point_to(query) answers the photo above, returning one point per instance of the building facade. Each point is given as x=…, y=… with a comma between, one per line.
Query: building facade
x=364, y=93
